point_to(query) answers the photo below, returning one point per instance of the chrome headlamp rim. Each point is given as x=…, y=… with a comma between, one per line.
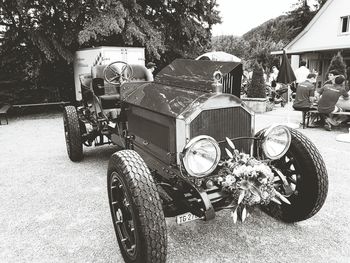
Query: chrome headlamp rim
x=266, y=135
x=190, y=144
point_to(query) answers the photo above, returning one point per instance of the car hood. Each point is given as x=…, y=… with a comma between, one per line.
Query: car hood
x=172, y=100
x=198, y=74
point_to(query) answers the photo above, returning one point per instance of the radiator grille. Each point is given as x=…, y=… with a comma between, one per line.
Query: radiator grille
x=227, y=83
x=220, y=123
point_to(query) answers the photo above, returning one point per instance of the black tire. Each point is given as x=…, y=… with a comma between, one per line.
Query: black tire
x=136, y=209
x=72, y=133
x=306, y=173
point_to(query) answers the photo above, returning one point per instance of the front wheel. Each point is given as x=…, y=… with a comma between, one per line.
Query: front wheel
x=307, y=181
x=72, y=132
x=136, y=209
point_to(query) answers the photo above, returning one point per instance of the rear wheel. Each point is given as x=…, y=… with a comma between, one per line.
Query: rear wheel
x=136, y=209
x=72, y=133
x=307, y=181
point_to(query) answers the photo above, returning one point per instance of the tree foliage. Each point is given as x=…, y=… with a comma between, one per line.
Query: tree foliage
x=231, y=44
x=338, y=64
x=45, y=34
x=272, y=35
x=256, y=89
x=185, y=26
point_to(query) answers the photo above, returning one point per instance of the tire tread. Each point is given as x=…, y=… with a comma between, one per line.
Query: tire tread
x=147, y=201
x=314, y=166
x=75, y=151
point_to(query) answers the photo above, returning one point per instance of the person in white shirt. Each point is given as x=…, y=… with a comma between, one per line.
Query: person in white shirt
x=301, y=73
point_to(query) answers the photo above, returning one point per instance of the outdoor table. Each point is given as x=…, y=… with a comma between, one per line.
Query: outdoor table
x=344, y=104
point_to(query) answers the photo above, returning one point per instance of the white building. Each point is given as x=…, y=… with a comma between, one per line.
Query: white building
x=326, y=34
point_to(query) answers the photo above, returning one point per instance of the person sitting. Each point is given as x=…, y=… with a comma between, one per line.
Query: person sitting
x=331, y=76
x=330, y=94
x=305, y=95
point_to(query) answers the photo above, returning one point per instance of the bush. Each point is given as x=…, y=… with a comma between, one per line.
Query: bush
x=257, y=87
x=337, y=63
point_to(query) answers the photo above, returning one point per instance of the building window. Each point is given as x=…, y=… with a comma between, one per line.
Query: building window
x=344, y=24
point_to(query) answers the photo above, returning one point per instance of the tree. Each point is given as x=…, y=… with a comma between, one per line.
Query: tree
x=57, y=28
x=320, y=3
x=300, y=16
x=338, y=64
x=230, y=44
x=256, y=88
x=44, y=35
x=185, y=26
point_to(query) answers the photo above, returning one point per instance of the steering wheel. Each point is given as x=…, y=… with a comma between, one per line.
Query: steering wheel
x=117, y=72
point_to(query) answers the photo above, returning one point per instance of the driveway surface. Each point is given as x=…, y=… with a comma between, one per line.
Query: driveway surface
x=54, y=210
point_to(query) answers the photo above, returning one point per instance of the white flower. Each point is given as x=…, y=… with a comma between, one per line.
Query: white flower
x=230, y=179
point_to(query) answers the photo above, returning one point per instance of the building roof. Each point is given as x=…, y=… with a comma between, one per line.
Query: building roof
x=323, y=31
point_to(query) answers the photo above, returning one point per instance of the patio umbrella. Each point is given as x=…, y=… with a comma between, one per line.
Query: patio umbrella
x=219, y=56
x=286, y=73
x=286, y=76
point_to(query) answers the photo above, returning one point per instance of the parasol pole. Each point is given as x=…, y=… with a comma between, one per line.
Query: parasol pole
x=286, y=76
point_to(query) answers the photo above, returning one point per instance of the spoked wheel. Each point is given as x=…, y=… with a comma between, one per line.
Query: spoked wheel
x=291, y=171
x=72, y=132
x=304, y=181
x=136, y=209
x=123, y=215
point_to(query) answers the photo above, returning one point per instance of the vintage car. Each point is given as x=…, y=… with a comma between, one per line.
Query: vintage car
x=189, y=149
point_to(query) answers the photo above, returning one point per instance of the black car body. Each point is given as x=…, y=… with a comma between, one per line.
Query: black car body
x=189, y=146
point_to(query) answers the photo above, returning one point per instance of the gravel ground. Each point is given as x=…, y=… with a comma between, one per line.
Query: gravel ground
x=53, y=210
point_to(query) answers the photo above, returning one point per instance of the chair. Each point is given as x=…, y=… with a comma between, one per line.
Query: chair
x=3, y=112
x=85, y=84
x=140, y=73
x=107, y=93
x=307, y=114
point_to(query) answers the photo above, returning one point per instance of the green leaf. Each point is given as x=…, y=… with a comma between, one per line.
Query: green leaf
x=229, y=153
x=280, y=196
x=230, y=143
x=274, y=199
x=241, y=196
x=244, y=214
x=234, y=216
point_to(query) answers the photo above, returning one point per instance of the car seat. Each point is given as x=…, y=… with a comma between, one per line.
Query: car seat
x=107, y=93
x=85, y=85
x=140, y=73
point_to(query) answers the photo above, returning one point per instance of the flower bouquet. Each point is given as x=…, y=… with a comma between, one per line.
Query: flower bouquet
x=248, y=180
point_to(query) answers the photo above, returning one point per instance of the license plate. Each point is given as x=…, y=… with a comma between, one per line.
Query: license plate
x=184, y=218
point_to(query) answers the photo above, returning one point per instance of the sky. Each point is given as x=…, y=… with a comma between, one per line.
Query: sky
x=239, y=16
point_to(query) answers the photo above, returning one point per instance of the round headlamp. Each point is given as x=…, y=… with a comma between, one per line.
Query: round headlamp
x=276, y=142
x=201, y=156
